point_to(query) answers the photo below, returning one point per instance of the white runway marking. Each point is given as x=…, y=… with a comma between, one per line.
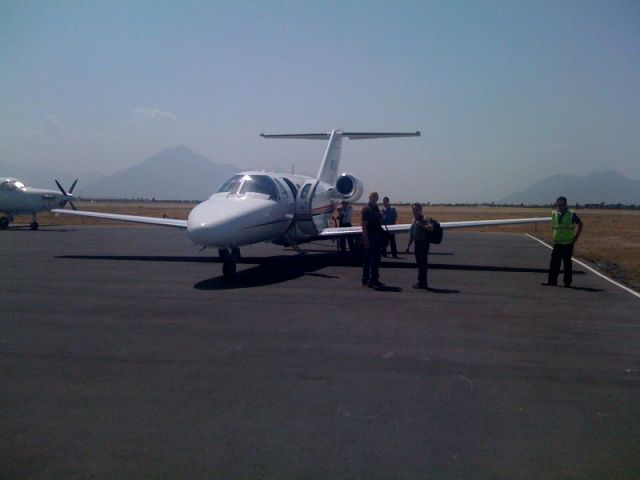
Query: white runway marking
x=591, y=269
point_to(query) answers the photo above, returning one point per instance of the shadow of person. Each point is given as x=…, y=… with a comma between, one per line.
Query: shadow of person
x=586, y=289
x=441, y=290
x=388, y=288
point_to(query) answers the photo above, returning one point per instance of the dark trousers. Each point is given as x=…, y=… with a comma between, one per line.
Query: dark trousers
x=422, y=260
x=389, y=240
x=371, y=261
x=342, y=241
x=561, y=254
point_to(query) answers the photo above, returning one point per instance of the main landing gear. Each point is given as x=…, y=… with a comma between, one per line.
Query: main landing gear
x=6, y=220
x=229, y=261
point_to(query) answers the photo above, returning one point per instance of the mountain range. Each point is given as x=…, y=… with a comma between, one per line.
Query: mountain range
x=609, y=187
x=175, y=173
x=178, y=173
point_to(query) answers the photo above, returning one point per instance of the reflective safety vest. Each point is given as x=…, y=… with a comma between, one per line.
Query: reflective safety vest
x=562, y=228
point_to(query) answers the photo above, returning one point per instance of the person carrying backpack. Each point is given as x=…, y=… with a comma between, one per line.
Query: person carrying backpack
x=423, y=232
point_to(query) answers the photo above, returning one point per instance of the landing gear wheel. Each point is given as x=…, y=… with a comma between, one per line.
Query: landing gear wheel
x=4, y=222
x=235, y=251
x=229, y=267
x=34, y=225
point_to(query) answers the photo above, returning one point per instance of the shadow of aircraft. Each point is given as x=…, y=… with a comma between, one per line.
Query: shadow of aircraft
x=282, y=268
x=41, y=229
x=268, y=271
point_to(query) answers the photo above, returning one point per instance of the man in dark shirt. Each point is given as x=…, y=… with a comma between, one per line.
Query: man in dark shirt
x=371, y=222
x=420, y=231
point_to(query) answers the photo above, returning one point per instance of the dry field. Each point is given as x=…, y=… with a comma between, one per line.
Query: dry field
x=611, y=238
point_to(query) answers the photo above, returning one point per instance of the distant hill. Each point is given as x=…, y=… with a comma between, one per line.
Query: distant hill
x=609, y=187
x=173, y=174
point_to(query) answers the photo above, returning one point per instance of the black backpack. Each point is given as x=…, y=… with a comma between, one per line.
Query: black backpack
x=435, y=236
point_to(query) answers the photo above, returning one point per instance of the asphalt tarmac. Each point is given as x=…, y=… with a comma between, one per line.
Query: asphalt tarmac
x=123, y=354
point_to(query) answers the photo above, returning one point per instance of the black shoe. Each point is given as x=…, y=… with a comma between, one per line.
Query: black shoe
x=547, y=284
x=421, y=286
x=377, y=284
x=395, y=256
x=366, y=284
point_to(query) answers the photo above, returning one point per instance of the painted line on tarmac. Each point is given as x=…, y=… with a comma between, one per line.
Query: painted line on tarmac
x=591, y=269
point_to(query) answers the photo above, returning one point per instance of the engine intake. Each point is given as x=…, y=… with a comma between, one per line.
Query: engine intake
x=349, y=187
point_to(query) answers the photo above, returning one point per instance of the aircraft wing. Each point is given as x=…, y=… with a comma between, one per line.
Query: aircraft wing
x=164, y=222
x=405, y=227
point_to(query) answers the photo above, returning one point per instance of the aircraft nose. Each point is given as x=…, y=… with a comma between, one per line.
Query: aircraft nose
x=224, y=222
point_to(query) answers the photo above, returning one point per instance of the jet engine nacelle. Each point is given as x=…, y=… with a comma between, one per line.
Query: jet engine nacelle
x=349, y=187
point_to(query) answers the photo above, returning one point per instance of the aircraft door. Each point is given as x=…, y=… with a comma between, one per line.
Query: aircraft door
x=303, y=214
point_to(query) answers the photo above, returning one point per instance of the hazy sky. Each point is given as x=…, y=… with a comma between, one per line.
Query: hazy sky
x=504, y=93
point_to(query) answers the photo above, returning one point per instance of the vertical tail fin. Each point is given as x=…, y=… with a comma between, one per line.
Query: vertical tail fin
x=328, y=172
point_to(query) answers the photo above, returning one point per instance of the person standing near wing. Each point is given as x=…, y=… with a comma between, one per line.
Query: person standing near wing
x=344, y=220
x=389, y=217
x=420, y=235
x=371, y=222
x=563, y=222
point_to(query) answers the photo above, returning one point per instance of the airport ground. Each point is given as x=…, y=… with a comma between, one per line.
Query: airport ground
x=611, y=239
x=125, y=354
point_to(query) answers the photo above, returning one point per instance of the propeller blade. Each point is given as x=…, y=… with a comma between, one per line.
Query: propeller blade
x=72, y=205
x=60, y=187
x=73, y=185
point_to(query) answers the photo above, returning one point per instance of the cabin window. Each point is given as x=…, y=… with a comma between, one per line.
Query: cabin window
x=232, y=185
x=240, y=185
x=305, y=191
x=12, y=185
x=281, y=189
x=293, y=188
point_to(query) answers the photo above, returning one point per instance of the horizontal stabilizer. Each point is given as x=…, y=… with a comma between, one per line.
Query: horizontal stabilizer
x=365, y=135
x=349, y=135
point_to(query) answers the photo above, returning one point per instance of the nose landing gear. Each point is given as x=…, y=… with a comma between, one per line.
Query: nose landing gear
x=229, y=261
x=34, y=225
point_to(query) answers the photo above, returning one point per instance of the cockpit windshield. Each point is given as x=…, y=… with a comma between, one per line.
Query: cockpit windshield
x=12, y=185
x=240, y=185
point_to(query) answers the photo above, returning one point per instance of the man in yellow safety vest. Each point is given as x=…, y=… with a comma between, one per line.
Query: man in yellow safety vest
x=563, y=222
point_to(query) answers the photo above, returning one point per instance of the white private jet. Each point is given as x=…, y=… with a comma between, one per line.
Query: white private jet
x=286, y=209
x=18, y=199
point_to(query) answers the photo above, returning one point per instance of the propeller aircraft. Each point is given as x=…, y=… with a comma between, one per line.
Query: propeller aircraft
x=282, y=208
x=18, y=199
